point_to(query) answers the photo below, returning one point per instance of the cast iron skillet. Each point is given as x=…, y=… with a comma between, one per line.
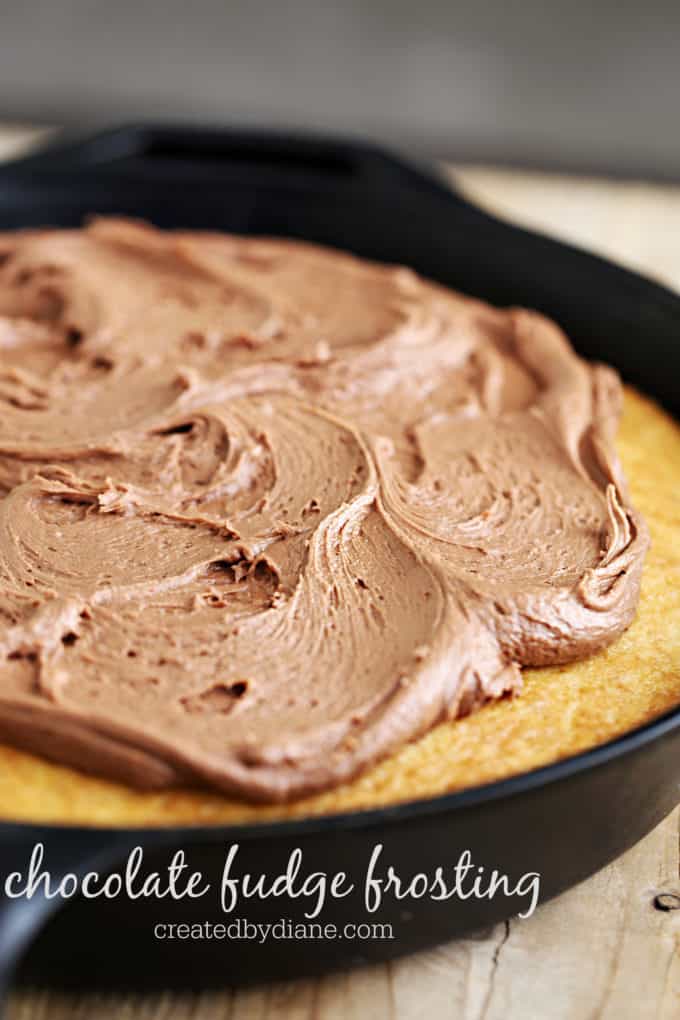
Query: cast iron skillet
x=564, y=821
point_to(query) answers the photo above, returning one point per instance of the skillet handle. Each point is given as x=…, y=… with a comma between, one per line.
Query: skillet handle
x=171, y=151
x=22, y=918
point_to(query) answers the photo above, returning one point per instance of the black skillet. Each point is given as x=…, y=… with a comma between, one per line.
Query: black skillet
x=564, y=821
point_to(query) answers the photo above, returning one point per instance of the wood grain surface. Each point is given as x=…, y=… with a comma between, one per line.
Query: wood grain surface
x=608, y=949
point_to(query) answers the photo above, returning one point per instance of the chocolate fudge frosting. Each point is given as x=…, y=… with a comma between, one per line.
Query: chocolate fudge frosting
x=269, y=511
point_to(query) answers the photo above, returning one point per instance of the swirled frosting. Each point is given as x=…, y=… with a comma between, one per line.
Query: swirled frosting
x=268, y=511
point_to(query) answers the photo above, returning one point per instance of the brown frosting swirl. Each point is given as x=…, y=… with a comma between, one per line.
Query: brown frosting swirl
x=268, y=511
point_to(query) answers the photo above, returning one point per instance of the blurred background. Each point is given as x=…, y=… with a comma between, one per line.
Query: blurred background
x=560, y=85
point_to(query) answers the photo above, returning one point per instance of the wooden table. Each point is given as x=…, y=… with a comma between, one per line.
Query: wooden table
x=601, y=951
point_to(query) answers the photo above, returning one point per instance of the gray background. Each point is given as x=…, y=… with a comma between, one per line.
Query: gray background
x=573, y=85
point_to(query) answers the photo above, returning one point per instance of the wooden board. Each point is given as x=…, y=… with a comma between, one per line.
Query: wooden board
x=602, y=951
